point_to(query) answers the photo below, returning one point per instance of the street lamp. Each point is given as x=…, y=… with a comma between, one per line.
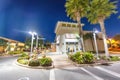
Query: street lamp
x=32, y=33
x=94, y=36
x=43, y=40
x=37, y=40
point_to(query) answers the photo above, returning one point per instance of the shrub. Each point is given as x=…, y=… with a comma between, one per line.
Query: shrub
x=103, y=57
x=80, y=60
x=24, y=56
x=77, y=57
x=22, y=61
x=81, y=57
x=88, y=57
x=45, y=61
x=34, y=56
x=114, y=58
x=15, y=52
x=34, y=62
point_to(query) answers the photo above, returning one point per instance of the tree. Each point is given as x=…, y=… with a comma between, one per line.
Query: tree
x=117, y=37
x=98, y=11
x=28, y=42
x=3, y=44
x=119, y=17
x=76, y=9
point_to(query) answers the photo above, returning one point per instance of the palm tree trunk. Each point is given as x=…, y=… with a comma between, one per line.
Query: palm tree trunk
x=101, y=22
x=80, y=31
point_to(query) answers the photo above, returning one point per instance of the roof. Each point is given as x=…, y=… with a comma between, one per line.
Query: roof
x=9, y=40
x=66, y=27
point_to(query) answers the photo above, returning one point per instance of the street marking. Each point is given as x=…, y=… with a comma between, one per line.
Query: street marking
x=109, y=71
x=91, y=74
x=24, y=78
x=52, y=75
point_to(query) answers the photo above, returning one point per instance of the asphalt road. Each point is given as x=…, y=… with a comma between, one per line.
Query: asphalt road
x=10, y=71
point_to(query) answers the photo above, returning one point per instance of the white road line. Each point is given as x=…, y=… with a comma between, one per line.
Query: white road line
x=108, y=71
x=91, y=74
x=52, y=74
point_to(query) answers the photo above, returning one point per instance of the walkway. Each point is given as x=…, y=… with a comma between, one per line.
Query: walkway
x=61, y=61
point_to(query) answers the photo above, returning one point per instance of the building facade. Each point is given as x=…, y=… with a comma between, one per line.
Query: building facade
x=10, y=45
x=68, y=40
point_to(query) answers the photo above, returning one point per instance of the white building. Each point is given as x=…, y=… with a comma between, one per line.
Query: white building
x=67, y=38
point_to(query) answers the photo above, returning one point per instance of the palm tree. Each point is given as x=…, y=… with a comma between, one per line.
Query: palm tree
x=76, y=9
x=98, y=11
x=119, y=17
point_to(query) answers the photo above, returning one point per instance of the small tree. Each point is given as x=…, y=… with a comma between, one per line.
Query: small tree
x=117, y=37
x=3, y=43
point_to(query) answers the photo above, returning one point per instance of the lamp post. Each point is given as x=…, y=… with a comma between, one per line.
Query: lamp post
x=32, y=33
x=94, y=37
x=43, y=41
x=37, y=41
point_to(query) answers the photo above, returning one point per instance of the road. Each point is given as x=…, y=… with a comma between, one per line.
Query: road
x=10, y=71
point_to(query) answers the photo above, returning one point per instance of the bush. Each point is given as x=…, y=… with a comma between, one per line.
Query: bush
x=103, y=57
x=24, y=56
x=73, y=57
x=81, y=57
x=80, y=60
x=88, y=57
x=114, y=58
x=45, y=61
x=22, y=61
x=77, y=57
x=34, y=62
x=15, y=52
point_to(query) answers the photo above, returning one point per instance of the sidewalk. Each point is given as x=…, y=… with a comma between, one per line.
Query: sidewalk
x=61, y=61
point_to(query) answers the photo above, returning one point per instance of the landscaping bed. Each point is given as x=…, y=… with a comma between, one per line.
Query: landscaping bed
x=89, y=59
x=34, y=61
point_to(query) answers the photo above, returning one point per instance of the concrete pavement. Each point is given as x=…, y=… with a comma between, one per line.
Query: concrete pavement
x=10, y=71
x=61, y=61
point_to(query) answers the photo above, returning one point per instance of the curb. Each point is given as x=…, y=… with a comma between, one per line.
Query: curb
x=94, y=64
x=9, y=56
x=34, y=67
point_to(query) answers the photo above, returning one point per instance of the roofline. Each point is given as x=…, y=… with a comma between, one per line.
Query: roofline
x=57, y=24
x=10, y=39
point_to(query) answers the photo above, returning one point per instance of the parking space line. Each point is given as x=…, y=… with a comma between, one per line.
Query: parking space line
x=52, y=74
x=108, y=71
x=91, y=74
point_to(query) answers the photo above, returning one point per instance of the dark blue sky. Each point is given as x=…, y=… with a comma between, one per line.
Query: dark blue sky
x=17, y=17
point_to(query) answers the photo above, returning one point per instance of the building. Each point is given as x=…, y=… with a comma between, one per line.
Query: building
x=67, y=38
x=10, y=45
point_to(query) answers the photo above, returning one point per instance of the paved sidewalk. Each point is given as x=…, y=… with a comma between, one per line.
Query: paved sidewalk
x=61, y=61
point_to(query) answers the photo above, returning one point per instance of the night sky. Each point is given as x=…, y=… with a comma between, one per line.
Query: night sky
x=18, y=17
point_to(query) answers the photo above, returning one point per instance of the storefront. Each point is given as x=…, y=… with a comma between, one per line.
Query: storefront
x=67, y=38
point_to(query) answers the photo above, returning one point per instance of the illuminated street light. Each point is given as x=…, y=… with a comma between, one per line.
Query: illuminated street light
x=37, y=41
x=94, y=36
x=32, y=33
